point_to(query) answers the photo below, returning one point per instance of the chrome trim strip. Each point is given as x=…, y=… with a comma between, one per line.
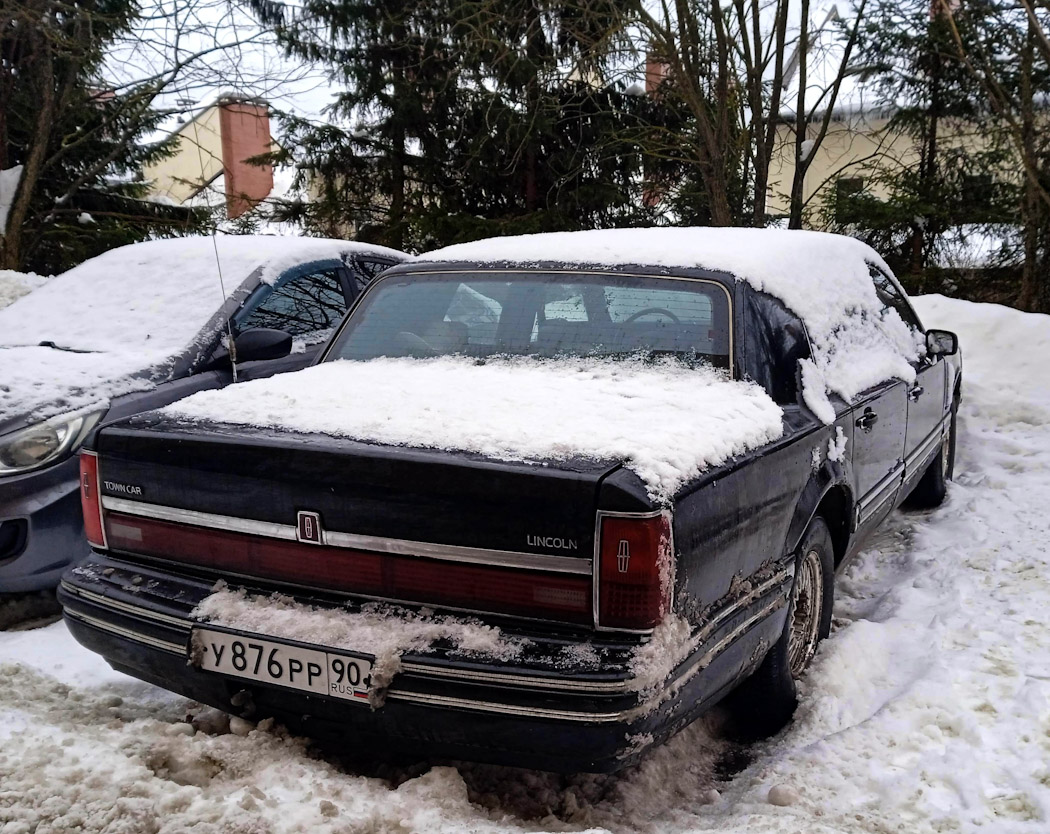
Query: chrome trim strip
x=127, y=608
x=230, y=524
x=882, y=492
x=137, y=636
x=927, y=446
x=920, y=454
x=457, y=553
x=331, y=538
x=530, y=681
x=709, y=656
x=510, y=709
x=778, y=578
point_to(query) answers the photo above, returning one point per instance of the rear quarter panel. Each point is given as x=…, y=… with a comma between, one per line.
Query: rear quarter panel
x=736, y=522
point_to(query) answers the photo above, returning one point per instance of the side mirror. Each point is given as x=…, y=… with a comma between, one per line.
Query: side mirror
x=941, y=343
x=262, y=343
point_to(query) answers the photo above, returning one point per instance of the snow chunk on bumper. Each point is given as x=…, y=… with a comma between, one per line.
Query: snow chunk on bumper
x=665, y=421
x=379, y=629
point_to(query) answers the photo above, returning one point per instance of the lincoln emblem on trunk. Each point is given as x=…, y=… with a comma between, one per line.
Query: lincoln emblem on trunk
x=623, y=555
x=308, y=528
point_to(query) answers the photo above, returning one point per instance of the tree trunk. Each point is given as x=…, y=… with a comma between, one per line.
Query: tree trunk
x=398, y=152
x=798, y=182
x=928, y=163
x=765, y=130
x=1032, y=209
x=534, y=49
x=11, y=241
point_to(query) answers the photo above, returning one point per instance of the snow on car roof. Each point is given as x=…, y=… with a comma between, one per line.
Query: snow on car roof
x=665, y=421
x=153, y=294
x=131, y=309
x=824, y=278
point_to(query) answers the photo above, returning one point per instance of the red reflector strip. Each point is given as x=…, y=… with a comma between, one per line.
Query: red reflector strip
x=408, y=578
x=91, y=501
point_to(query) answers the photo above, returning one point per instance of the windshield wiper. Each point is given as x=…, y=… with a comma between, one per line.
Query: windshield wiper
x=63, y=347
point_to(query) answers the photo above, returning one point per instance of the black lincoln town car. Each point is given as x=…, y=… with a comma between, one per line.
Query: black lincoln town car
x=633, y=610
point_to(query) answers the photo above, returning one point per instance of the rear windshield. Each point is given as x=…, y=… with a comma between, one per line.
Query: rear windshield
x=582, y=314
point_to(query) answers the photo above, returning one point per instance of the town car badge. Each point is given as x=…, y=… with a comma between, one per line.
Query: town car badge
x=308, y=527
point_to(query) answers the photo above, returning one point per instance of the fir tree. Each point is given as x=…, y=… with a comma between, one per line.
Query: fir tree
x=462, y=118
x=946, y=182
x=73, y=144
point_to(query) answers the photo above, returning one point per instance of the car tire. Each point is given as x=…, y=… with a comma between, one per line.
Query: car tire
x=932, y=487
x=764, y=703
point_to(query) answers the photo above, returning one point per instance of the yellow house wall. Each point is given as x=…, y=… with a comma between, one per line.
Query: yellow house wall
x=858, y=147
x=179, y=177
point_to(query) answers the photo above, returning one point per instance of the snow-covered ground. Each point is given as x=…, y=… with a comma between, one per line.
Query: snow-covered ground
x=928, y=709
x=13, y=285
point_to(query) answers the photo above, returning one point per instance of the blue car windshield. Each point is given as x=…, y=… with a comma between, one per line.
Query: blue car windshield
x=537, y=314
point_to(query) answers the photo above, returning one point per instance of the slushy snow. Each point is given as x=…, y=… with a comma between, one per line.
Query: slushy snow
x=129, y=313
x=926, y=710
x=666, y=421
x=823, y=278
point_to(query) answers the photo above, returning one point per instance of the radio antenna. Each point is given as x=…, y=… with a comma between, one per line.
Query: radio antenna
x=231, y=346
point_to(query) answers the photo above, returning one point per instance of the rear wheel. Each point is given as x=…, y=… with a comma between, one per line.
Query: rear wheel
x=765, y=702
x=932, y=487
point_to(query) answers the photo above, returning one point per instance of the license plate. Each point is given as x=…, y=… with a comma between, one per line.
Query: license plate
x=334, y=674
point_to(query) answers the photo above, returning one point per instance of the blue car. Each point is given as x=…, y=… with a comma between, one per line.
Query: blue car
x=136, y=328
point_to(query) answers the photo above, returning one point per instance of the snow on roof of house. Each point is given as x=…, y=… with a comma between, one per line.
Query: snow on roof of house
x=131, y=310
x=824, y=278
x=828, y=30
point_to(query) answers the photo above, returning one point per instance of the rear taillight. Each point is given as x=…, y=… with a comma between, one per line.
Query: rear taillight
x=634, y=571
x=91, y=500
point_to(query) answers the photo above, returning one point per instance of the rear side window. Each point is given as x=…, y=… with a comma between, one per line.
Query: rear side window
x=892, y=298
x=308, y=305
x=365, y=269
x=776, y=342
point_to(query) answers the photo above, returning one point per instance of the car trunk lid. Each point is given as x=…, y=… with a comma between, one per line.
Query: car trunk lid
x=415, y=525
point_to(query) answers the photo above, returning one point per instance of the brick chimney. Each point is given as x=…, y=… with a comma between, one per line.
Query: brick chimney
x=244, y=126
x=656, y=72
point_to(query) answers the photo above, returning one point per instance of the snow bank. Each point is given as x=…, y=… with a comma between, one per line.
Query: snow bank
x=379, y=629
x=131, y=311
x=13, y=285
x=667, y=422
x=824, y=278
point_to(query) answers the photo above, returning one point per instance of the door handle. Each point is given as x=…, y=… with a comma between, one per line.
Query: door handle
x=867, y=421
x=915, y=393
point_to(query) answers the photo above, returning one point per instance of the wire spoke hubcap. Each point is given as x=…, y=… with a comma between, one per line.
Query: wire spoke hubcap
x=806, y=613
